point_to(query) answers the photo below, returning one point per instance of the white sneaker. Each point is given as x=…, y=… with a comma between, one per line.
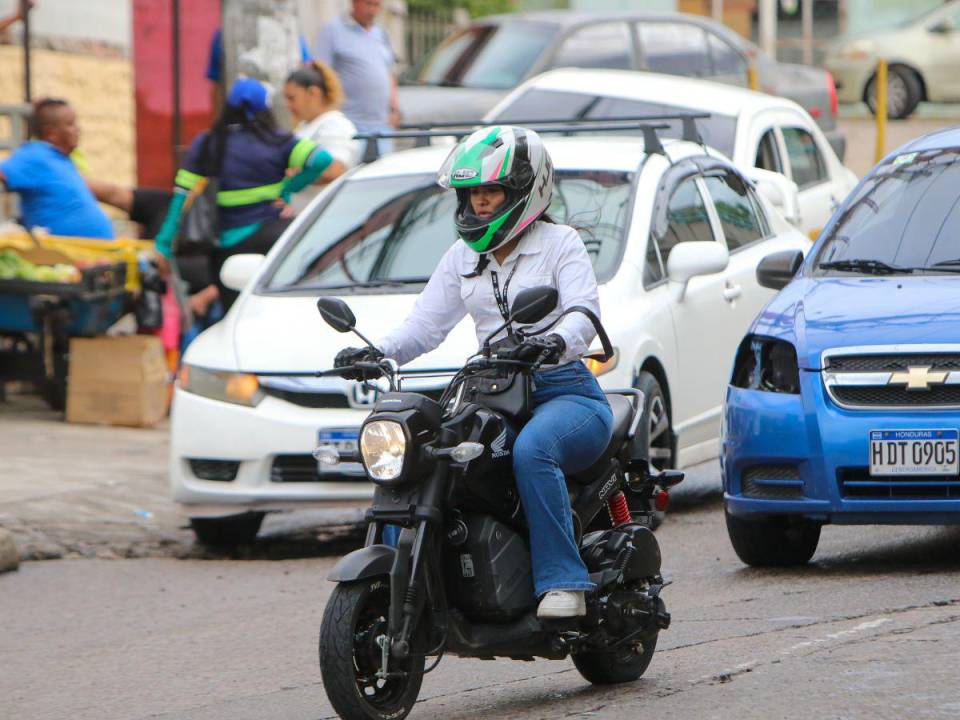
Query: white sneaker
x=562, y=604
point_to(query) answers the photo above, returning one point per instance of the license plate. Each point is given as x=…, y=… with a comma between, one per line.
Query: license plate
x=343, y=439
x=914, y=452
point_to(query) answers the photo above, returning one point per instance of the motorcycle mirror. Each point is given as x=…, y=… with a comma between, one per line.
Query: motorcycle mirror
x=534, y=304
x=337, y=314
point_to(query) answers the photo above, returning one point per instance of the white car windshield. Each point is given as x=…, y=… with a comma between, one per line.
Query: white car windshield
x=381, y=234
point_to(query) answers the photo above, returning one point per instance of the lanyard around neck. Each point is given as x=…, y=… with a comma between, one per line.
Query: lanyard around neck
x=502, y=298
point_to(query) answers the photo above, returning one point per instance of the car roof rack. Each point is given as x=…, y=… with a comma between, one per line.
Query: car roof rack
x=647, y=124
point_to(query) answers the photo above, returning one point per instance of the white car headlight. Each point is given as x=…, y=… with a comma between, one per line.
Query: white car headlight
x=383, y=446
x=231, y=387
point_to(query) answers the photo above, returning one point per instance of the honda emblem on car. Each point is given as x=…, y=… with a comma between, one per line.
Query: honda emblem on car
x=363, y=395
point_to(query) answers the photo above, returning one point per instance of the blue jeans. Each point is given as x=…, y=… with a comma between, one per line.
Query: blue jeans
x=570, y=428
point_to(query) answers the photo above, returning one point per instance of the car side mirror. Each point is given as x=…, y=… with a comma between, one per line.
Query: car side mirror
x=690, y=259
x=534, y=304
x=779, y=191
x=337, y=314
x=776, y=270
x=239, y=270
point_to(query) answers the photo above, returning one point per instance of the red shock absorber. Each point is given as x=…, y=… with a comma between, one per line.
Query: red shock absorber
x=618, y=509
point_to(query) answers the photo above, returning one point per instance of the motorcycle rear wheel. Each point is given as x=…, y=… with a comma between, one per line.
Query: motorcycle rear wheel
x=349, y=656
x=615, y=666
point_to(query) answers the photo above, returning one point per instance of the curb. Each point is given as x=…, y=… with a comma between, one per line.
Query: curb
x=9, y=557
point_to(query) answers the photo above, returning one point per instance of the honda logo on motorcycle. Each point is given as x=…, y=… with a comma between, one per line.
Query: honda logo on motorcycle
x=363, y=395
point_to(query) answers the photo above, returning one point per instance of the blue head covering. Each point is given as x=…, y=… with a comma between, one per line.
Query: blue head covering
x=249, y=94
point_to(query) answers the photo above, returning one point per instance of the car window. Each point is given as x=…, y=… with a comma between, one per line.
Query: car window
x=652, y=267
x=486, y=56
x=395, y=230
x=603, y=45
x=740, y=215
x=768, y=154
x=687, y=219
x=806, y=162
x=725, y=59
x=906, y=213
x=675, y=49
x=718, y=131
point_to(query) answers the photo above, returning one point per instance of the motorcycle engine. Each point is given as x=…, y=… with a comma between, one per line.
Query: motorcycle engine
x=487, y=566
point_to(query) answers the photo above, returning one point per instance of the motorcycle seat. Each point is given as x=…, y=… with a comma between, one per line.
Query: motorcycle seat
x=623, y=412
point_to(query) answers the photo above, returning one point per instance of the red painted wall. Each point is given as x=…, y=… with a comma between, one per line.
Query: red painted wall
x=153, y=81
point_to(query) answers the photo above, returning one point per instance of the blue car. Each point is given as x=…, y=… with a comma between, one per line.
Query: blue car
x=844, y=402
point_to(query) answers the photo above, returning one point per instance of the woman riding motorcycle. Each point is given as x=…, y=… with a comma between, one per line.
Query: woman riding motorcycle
x=503, y=178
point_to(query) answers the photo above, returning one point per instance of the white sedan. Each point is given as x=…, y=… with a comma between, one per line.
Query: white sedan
x=675, y=235
x=752, y=129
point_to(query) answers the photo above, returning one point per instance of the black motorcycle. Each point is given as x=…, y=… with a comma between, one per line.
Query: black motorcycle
x=459, y=579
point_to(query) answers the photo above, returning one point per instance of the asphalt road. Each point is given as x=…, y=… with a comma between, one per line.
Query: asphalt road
x=869, y=630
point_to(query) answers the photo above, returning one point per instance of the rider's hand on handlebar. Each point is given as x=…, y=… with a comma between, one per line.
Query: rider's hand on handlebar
x=540, y=350
x=350, y=356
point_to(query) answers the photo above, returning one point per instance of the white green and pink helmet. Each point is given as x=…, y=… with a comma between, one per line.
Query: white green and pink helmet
x=511, y=157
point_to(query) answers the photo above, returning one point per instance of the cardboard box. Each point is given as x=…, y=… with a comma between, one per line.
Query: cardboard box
x=117, y=381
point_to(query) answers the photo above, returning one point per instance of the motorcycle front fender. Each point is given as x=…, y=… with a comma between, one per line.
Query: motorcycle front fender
x=367, y=562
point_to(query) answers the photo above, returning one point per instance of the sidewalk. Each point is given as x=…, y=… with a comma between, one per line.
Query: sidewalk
x=84, y=491
x=70, y=491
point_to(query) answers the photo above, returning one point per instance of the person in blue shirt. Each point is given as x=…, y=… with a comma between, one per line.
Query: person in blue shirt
x=258, y=167
x=53, y=194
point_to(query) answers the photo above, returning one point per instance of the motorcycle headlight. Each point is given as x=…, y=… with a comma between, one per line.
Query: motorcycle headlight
x=383, y=447
x=766, y=364
x=231, y=387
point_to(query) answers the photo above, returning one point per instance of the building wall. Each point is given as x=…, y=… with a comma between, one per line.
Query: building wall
x=80, y=21
x=101, y=91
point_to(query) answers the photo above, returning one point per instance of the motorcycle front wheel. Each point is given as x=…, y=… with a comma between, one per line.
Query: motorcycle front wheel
x=350, y=656
x=616, y=666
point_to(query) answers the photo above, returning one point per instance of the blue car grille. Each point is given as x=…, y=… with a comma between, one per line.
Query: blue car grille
x=772, y=482
x=892, y=363
x=896, y=396
x=858, y=483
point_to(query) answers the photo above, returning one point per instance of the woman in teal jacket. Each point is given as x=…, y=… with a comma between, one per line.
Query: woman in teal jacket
x=256, y=165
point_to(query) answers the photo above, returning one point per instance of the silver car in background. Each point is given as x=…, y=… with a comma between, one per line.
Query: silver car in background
x=478, y=64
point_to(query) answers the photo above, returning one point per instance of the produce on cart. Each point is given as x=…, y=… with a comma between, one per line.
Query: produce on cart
x=47, y=297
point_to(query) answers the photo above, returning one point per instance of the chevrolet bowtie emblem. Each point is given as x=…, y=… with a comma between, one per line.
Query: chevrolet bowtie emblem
x=917, y=378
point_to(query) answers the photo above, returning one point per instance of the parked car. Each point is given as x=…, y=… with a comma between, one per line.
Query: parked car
x=752, y=129
x=478, y=64
x=843, y=405
x=675, y=306
x=922, y=56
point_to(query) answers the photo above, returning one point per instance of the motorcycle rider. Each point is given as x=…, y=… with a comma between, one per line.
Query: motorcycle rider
x=503, y=178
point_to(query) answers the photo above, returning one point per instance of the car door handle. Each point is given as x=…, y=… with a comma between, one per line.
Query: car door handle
x=731, y=292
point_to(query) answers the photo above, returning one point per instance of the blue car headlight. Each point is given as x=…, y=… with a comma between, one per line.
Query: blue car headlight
x=766, y=364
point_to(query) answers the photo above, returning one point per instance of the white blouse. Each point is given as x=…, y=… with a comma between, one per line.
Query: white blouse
x=547, y=254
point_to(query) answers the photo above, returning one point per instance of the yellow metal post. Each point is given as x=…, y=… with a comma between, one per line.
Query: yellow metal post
x=753, y=78
x=880, y=102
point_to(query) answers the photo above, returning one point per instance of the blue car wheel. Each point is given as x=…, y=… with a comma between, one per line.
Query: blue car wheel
x=773, y=541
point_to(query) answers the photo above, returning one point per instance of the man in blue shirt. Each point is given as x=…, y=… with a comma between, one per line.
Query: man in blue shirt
x=53, y=194
x=360, y=53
